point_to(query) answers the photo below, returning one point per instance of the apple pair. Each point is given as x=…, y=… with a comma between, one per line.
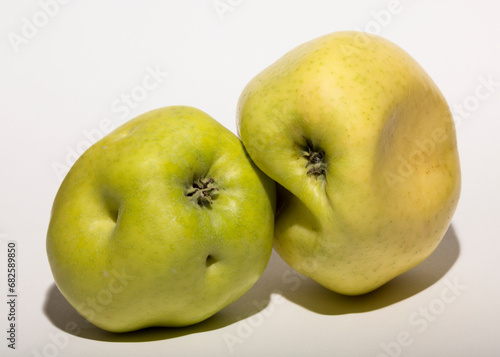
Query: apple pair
x=347, y=131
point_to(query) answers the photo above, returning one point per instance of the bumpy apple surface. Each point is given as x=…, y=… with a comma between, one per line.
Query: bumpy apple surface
x=163, y=222
x=363, y=147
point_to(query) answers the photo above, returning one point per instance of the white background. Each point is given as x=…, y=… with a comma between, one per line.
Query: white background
x=64, y=71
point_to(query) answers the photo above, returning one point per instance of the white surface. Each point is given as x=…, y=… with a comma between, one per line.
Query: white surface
x=67, y=81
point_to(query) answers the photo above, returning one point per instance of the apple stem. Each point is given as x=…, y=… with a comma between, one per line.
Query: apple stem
x=202, y=191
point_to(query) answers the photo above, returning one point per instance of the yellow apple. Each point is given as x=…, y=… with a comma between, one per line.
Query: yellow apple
x=362, y=144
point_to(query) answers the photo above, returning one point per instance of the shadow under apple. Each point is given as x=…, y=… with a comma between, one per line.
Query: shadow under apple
x=65, y=317
x=314, y=297
x=278, y=278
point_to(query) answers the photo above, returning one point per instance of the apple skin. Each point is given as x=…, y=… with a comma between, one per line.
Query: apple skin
x=363, y=147
x=129, y=247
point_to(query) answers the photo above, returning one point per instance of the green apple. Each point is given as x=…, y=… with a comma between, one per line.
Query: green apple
x=163, y=222
x=363, y=147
